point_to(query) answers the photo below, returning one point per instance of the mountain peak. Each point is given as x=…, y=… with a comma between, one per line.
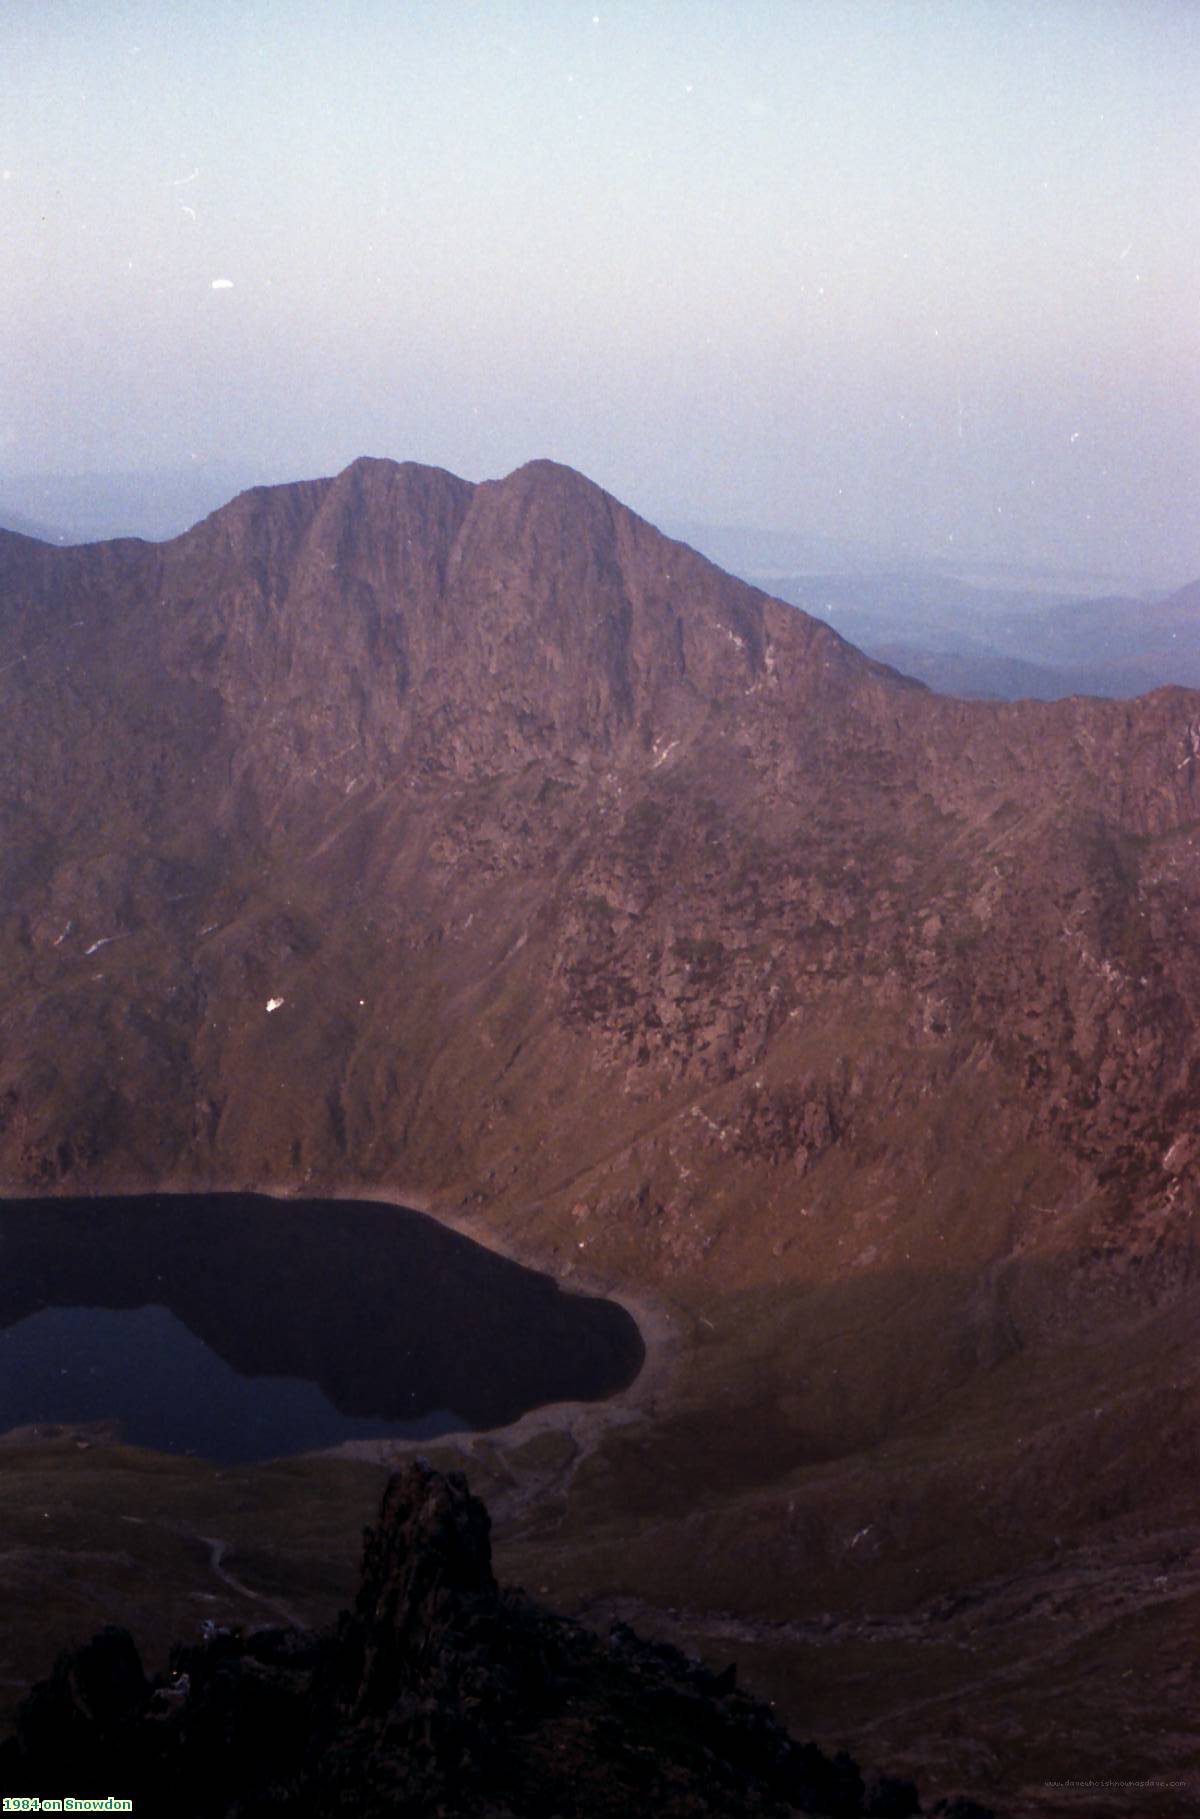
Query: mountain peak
x=384, y=471
x=556, y=473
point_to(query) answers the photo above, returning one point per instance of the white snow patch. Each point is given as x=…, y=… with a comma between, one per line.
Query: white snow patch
x=1177, y=1154
x=273, y=1004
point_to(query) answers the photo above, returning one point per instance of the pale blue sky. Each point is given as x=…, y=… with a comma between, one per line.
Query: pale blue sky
x=926, y=274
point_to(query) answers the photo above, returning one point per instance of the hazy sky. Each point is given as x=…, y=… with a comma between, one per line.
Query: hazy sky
x=926, y=274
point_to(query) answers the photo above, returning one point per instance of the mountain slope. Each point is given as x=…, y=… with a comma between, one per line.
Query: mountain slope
x=689, y=950
x=702, y=811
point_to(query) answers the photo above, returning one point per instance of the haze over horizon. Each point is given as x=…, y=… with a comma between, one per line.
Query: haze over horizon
x=921, y=277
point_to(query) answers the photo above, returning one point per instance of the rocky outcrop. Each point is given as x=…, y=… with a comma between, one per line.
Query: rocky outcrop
x=439, y=1693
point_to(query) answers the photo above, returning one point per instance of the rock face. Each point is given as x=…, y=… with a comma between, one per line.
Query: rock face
x=438, y=1694
x=575, y=870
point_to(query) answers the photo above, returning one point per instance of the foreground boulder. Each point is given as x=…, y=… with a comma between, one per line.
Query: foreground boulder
x=439, y=1694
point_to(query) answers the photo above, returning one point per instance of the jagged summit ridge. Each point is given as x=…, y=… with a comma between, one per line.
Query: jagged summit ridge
x=466, y=624
x=388, y=496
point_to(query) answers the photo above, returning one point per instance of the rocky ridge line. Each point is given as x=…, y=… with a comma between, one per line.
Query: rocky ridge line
x=440, y=1694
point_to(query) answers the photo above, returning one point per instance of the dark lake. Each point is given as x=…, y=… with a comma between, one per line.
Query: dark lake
x=239, y=1327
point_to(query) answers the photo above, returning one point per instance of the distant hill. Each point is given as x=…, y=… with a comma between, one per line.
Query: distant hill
x=30, y=527
x=88, y=508
x=982, y=675
x=980, y=642
x=1129, y=638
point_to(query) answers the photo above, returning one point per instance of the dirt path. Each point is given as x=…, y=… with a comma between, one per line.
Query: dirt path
x=216, y=1555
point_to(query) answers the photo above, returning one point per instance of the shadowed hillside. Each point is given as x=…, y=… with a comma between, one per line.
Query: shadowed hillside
x=439, y=1693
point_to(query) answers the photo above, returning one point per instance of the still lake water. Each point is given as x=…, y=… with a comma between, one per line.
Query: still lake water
x=239, y=1327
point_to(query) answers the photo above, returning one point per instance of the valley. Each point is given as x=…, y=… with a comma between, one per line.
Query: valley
x=478, y=846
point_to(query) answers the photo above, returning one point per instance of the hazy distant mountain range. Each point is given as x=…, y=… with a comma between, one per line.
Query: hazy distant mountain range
x=33, y=527
x=88, y=508
x=761, y=554
x=995, y=632
x=968, y=641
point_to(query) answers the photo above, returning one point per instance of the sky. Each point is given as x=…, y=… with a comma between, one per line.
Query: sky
x=922, y=275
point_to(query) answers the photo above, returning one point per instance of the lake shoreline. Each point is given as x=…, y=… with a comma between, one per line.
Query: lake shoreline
x=662, y=1334
x=662, y=1330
